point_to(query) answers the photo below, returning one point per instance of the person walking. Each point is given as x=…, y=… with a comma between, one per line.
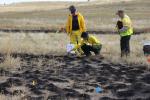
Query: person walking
x=125, y=29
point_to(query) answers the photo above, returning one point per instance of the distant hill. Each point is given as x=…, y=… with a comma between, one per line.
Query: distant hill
x=100, y=14
x=23, y=1
x=20, y=1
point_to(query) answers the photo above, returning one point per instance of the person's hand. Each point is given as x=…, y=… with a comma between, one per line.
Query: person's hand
x=62, y=29
x=89, y=44
x=123, y=29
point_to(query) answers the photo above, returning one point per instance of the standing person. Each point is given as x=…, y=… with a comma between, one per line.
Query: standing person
x=75, y=25
x=125, y=29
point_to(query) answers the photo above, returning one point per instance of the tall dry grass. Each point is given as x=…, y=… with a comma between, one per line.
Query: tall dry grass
x=10, y=63
x=32, y=43
x=4, y=97
x=55, y=43
x=111, y=49
x=20, y=96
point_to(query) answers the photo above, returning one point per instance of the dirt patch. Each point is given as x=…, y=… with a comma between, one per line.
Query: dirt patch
x=63, y=77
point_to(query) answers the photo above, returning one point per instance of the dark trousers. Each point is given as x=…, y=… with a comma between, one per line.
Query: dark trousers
x=87, y=49
x=146, y=49
x=125, y=45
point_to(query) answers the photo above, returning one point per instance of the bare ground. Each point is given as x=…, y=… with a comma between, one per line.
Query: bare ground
x=72, y=78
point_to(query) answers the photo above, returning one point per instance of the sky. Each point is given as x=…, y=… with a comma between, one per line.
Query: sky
x=17, y=1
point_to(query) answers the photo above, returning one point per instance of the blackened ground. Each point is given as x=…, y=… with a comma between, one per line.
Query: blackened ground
x=136, y=31
x=54, y=77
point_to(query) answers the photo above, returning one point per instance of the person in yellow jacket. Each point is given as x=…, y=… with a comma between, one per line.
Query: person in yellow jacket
x=75, y=25
x=125, y=29
x=88, y=44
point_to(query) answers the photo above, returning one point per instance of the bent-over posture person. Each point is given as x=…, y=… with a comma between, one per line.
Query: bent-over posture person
x=89, y=44
x=75, y=25
x=125, y=29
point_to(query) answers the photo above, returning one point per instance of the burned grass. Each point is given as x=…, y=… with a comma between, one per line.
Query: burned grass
x=64, y=77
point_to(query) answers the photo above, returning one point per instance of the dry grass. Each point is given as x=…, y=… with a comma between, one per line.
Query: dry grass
x=111, y=49
x=32, y=43
x=54, y=43
x=46, y=6
x=35, y=6
x=99, y=16
x=10, y=63
x=4, y=97
x=18, y=96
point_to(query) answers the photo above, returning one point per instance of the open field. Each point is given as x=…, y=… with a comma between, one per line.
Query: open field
x=99, y=16
x=35, y=66
x=42, y=43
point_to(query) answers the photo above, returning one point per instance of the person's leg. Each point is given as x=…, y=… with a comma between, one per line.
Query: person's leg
x=78, y=36
x=73, y=38
x=86, y=49
x=78, y=41
x=146, y=49
x=127, y=51
x=96, y=49
x=122, y=46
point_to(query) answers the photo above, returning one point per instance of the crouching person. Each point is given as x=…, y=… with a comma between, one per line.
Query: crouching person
x=89, y=44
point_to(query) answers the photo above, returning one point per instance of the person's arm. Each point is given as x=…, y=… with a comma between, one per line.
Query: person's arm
x=95, y=40
x=78, y=46
x=83, y=24
x=68, y=25
x=126, y=25
x=125, y=28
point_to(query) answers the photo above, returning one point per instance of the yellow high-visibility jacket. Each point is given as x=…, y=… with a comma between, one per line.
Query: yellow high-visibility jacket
x=81, y=21
x=92, y=40
x=127, y=23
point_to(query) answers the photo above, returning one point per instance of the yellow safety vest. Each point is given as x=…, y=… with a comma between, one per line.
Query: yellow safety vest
x=127, y=22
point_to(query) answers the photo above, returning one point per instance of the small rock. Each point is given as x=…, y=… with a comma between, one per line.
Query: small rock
x=15, y=81
x=106, y=98
x=146, y=78
x=84, y=97
x=70, y=92
x=56, y=97
x=90, y=90
x=17, y=92
x=125, y=92
x=35, y=98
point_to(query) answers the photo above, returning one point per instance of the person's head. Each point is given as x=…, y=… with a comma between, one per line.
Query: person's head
x=72, y=9
x=85, y=35
x=120, y=13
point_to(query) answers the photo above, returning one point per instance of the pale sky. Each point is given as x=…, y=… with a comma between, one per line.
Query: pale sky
x=16, y=1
